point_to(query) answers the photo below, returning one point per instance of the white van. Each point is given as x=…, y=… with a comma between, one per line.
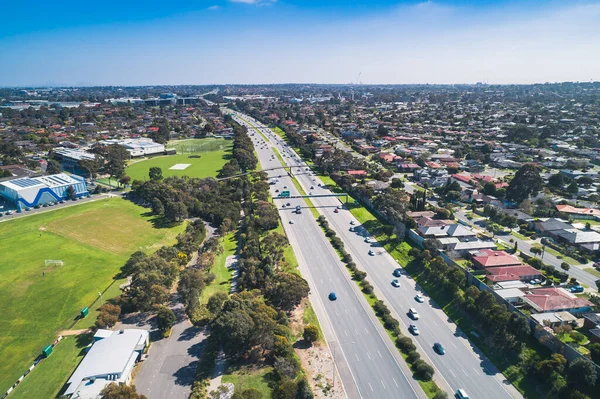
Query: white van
x=461, y=394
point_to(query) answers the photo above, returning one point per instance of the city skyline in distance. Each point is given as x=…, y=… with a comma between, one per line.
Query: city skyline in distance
x=269, y=42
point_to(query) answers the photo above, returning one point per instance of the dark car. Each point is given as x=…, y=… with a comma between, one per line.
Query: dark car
x=397, y=273
x=332, y=296
x=439, y=348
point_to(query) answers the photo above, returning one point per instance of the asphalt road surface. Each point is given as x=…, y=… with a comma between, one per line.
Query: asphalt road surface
x=369, y=364
x=463, y=365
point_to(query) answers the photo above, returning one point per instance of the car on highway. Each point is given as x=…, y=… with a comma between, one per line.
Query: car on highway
x=336, y=211
x=414, y=330
x=461, y=394
x=371, y=252
x=439, y=348
x=339, y=207
x=395, y=283
x=419, y=298
x=291, y=222
x=288, y=204
x=351, y=228
x=397, y=272
x=352, y=222
x=412, y=312
x=284, y=186
x=367, y=240
x=277, y=190
x=312, y=187
x=332, y=296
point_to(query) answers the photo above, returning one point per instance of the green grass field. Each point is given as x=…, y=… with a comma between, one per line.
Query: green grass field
x=244, y=377
x=93, y=240
x=222, y=281
x=209, y=163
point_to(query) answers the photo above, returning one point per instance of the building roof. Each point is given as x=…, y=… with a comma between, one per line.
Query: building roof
x=554, y=317
x=490, y=258
x=576, y=236
x=357, y=173
x=51, y=181
x=429, y=222
x=510, y=293
x=108, y=356
x=577, y=211
x=553, y=224
x=511, y=273
x=472, y=245
x=592, y=317
x=545, y=299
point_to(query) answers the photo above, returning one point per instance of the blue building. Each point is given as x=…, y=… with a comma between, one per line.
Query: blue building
x=29, y=192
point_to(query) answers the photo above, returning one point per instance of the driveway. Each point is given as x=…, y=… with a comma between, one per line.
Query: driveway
x=170, y=368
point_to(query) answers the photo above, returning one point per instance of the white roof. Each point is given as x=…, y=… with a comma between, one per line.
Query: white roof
x=510, y=293
x=108, y=356
x=50, y=181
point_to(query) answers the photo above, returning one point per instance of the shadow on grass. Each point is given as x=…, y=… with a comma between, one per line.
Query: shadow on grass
x=160, y=223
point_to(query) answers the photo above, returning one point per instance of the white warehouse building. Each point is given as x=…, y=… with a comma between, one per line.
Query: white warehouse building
x=137, y=147
x=110, y=359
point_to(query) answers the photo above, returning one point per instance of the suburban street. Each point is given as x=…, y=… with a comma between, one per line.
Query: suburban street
x=370, y=366
x=463, y=365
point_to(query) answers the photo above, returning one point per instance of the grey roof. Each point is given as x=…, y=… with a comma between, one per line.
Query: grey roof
x=578, y=236
x=554, y=224
x=108, y=356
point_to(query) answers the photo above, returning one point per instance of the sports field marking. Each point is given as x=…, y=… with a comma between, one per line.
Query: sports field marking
x=180, y=166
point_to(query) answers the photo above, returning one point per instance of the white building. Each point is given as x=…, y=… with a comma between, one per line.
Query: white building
x=137, y=147
x=110, y=359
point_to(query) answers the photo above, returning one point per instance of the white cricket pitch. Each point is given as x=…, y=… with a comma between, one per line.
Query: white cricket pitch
x=180, y=166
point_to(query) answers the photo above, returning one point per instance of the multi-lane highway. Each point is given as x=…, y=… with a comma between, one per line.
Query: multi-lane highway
x=463, y=366
x=369, y=364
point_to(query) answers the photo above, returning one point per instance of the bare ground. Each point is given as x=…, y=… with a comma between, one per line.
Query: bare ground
x=316, y=360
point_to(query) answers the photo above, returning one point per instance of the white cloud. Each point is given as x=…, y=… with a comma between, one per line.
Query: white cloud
x=212, y=8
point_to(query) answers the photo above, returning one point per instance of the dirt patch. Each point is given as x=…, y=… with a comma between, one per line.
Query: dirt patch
x=316, y=360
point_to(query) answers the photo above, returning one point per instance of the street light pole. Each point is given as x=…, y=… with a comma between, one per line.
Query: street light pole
x=100, y=295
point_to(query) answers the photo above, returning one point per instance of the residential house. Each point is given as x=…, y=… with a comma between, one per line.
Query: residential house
x=488, y=258
x=587, y=240
x=544, y=300
x=513, y=273
x=568, y=211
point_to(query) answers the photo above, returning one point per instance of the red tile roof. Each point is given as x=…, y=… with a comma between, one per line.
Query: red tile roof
x=548, y=299
x=357, y=172
x=490, y=258
x=578, y=211
x=510, y=273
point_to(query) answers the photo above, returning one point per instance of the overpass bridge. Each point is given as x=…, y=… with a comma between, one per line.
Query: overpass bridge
x=288, y=168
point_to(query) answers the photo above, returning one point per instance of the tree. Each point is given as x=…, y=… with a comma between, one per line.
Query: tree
x=157, y=207
x=595, y=352
x=175, y=211
x=124, y=180
x=120, y=391
x=286, y=290
x=582, y=373
x=598, y=285
x=155, y=173
x=556, y=180
x=489, y=188
x=527, y=182
x=54, y=167
x=397, y=183
x=216, y=301
x=108, y=315
x=304, y=391
x=71, y=193
x=519, y=326
x=573, y=188
x=565, y=266
x=311, y=333
x=165, y=318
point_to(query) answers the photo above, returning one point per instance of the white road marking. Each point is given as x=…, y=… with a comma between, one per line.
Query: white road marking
x=477, y=372
x=371, y=387
x=346, y=310
x=465, y=372
x=393, y=379
x=357, y=357
x=346, y=332
x=452, y=372
x=369, y=356
x=367, y=330
x=383, y=384
x=336, y=313
x=380, y=354
x=356, y=331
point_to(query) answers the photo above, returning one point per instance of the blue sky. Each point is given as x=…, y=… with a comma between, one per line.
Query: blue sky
x=133, y=42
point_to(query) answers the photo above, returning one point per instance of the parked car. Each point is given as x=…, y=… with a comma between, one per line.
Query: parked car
x=535, y=281
x=577, y=288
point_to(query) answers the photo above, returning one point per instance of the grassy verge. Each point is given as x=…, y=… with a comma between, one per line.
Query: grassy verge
x=48, y=378
x=592, y=271
x=310, y=317
x=519, y=236
x=560, y=256
x=246, y=377
x=222, y=281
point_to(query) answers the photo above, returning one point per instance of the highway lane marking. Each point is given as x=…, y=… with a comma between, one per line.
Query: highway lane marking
x=477, y=372
x=393, y=379
x=346, y=310
x=465, y=372
x=357, y=359
x=380, y=354
x=450, y=370
x=370, y=386
x=366, y=330
x=336, y=313
x=346, y=332
x=384, y=387
x=356, y=331
x=369, y=356
x=355, y=310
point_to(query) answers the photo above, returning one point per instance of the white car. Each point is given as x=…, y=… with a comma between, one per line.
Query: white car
x=352, y=222
x=291, y=222
x=419, y=298
x=412, y=312
x=413, y=329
